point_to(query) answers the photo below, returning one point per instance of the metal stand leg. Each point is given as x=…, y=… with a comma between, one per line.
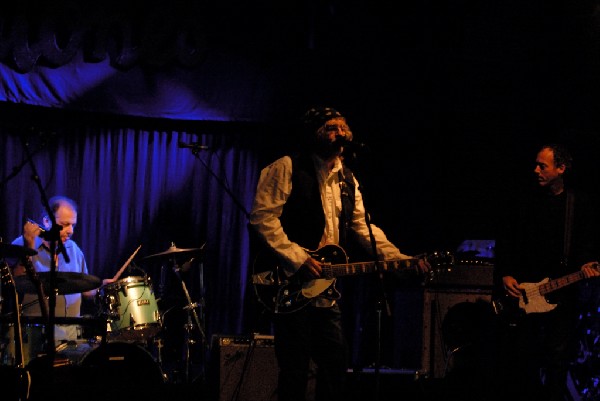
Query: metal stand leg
x=192, y=318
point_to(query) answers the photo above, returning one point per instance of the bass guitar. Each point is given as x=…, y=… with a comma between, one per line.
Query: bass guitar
x=533, y=297
x=280, y=294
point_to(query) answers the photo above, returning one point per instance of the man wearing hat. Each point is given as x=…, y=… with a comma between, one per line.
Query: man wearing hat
x=307, y=210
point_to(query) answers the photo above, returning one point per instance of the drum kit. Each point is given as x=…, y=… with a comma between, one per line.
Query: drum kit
x=129, y=326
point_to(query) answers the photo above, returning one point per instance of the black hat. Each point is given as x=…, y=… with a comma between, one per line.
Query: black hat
x=317, y=116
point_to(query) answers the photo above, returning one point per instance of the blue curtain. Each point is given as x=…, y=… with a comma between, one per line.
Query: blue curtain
x=138, y=187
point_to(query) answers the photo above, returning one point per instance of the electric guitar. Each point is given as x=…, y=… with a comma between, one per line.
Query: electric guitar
x=533, y=297
x=281, y=294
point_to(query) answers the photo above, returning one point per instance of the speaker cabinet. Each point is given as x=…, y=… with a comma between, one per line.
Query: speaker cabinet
x=456, y=323
x=246, y=368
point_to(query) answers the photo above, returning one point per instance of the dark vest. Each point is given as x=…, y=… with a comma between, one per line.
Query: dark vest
x=303, y=218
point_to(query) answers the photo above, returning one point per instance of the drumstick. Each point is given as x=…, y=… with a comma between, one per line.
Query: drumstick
x=122, y=269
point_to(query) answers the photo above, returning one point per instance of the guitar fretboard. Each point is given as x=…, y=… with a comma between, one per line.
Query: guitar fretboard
x=349, y=269
x=561, y=282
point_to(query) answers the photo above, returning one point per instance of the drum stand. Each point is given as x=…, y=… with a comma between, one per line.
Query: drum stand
x=189, y=325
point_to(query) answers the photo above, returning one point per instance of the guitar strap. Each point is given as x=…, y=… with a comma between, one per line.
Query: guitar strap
x=344, y=221
x=568, y=225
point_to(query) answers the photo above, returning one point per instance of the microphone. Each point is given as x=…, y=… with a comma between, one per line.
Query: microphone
x=351, y=145
x=45, y=234
x=193, y=146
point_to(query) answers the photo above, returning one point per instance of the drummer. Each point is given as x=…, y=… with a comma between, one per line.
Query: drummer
x=36, y=237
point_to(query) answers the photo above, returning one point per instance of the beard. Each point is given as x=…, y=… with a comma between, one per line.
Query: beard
x=328, y=149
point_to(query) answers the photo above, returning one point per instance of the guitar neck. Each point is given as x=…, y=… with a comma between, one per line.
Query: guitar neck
x=350, y=269
x=561, y=282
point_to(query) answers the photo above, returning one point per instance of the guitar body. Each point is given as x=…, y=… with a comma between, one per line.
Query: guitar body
x=281, y=294
x=532, y=300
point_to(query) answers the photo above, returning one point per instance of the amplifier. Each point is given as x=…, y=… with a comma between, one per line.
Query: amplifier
x=257, y=340
x=244, y=368
x=463, y=275
x=453, y=320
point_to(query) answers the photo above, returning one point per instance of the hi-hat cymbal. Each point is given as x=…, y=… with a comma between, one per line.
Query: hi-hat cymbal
x=15, y=251
x=66, y=283
x=172, y=252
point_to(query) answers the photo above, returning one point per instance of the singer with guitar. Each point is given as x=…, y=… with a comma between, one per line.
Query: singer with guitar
x=547, y=247
x=307, y=210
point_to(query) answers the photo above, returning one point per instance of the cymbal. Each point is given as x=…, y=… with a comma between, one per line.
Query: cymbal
x=66, y=283
x=172, y=252
x=39, y=320
x=10, y=250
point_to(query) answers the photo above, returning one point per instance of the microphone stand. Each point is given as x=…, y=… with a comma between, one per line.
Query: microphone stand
x=52, y=236
x=382, y=301
x=196, y=148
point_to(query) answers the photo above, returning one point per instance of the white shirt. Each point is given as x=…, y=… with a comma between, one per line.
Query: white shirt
x=274, y=188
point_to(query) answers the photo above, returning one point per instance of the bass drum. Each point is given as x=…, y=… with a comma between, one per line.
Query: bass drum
x=125, y=363
x=100, y=371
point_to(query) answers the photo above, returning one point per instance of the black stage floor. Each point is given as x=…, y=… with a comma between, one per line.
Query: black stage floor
x=114, y=383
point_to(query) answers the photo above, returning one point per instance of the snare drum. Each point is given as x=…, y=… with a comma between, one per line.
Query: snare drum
x=131, y=309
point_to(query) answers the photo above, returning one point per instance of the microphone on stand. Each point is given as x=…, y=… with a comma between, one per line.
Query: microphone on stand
x=351, y=145
x=47, y=235
x=44, y=234
x=351, y=149
x=193, y=145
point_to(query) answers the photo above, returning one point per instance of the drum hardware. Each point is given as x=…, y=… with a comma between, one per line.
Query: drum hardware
x=178, y=260
x=172, y=253
x=190, y=308
x=23, y=376
x=34, y=338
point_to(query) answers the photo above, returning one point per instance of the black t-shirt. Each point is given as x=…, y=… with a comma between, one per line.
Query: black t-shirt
x=531, y=241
